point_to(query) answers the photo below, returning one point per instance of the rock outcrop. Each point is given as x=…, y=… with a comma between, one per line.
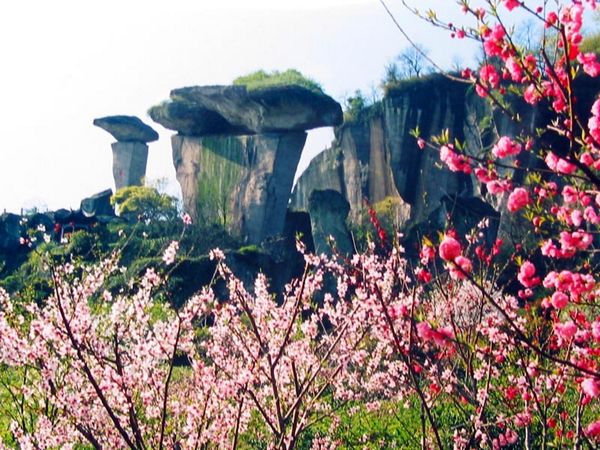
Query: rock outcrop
x=375, y=156
x=98, y=205
x=234, y=110
x=130, y=152
x=236, y=151
x=328, y=211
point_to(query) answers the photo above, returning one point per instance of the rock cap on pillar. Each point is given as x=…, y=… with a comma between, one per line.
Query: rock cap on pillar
x=236, y=110
x=130, y=152
x=127, y=128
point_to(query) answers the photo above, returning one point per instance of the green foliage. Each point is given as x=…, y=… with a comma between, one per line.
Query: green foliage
x=591, y=43
x=359, y=109
x=355, y=107
x=391, y=426
x=391, y=76
x=10, y=382
x=422, y=84
x=144, y=203
x=291, y=77
x=391, y=212
x=86, y=245
x=31, y=280
x=248, y=250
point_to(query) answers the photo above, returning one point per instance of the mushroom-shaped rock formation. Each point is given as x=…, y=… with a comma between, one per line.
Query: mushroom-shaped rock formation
x=130, y=152
x=237, y=150
x=209, y=110
x=328, y=211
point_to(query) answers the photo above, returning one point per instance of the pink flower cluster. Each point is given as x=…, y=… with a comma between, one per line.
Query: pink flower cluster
x=559, y=165
x=455, y=161
x=594, y=122
x=506, y=147
x=450, y=251
x=170, y=253
x=575, y=284
x=518, y=199
x=488, y=79
x=527, y=276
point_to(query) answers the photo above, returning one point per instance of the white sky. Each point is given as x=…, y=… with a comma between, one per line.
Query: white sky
x=65, y=62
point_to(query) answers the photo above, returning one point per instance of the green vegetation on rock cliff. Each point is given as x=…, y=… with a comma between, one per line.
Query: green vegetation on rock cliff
x=291, y=77
x=226, y=160
x=359, y=109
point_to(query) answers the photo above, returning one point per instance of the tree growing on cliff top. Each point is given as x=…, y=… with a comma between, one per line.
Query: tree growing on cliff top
x=413, y=62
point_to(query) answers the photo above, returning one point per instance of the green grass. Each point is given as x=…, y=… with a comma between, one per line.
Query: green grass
x=7, y=378
x=291, y=77
x=591, y=44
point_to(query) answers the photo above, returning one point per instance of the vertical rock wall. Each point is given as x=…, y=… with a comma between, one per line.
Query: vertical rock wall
x=381, y=159
x=328, y=212
x=241, y=182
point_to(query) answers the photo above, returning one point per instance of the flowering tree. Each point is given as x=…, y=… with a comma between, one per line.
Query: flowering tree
x=97, y=367
x=537, y=380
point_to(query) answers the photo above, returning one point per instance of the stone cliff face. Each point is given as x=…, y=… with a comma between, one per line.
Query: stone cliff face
x=236, y=151
x=357, y=166
x=376, y=156
x=243, y=182
x=433, y=105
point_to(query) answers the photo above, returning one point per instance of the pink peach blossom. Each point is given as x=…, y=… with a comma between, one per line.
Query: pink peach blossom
x=449, y=248
x=519, y=198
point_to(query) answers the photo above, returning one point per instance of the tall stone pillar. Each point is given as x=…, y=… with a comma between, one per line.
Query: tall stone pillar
x=130, y=152
x=129, y=163
x=240, y=182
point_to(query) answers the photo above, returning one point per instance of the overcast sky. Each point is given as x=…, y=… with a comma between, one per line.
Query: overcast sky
x=66, y=62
